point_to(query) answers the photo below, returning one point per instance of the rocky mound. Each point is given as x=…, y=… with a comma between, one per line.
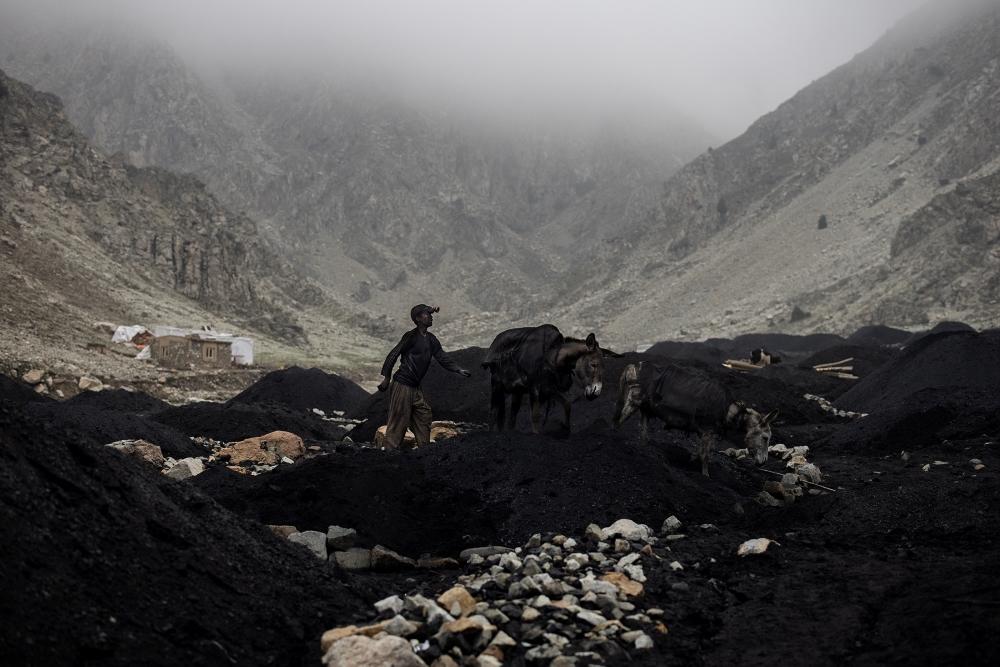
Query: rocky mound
x=486, y=488
x=302, y=389
x=229, y=422
x=17, y=391
x=940, y=327
x=950, y=359
x=114, y=563
x=122, y=400
x=106, y=426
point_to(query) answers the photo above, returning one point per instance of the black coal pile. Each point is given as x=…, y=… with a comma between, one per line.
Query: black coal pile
x=940, y=327
x=107, y=426
x=114, y=564
x=451, y=396
x=707, y=352
x=302, y=389
x=122, y=400
x=951, y=359
x=486, y=488
x=229, y=422
x=878, y=334
x=19, y=392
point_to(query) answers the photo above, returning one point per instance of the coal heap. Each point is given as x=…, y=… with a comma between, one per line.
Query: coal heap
x=302, y=389
x=19, y=392
x=115, y=564
x=122, y=400
x=878, y=334
x=229, y=422
x=949, y=359
x=487, y=488
x=106, y=426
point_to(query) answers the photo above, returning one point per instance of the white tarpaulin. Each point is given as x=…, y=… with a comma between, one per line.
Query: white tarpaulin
x=125, y=334
x=242, y=348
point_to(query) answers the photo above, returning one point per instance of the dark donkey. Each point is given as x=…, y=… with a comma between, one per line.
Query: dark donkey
x=540, y=362
x=690, y=403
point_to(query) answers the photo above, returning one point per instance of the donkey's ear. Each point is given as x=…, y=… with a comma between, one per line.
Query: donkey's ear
x=771, y=416
x=609, y=353
x=591, y=342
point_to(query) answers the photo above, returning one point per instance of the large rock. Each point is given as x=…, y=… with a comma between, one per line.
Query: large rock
x=340, y=539
x=33, y=376
x=628, y=529
x=409, y=440
x=457, y=595
x=483, y=552
x=442, y=433
x=264, y=450
x=313, y=539
x=671, y=525
x=354, y=560
x=283, y=531
x=90, y=384
x=360, y=651
x=387, y=560
x=146, y=452
x=185, y=468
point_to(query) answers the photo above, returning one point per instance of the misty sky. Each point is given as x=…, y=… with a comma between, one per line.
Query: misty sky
x=722, y=62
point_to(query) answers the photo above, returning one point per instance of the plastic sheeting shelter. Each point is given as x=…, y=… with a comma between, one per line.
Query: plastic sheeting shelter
x=125, y=334
x=242, y=348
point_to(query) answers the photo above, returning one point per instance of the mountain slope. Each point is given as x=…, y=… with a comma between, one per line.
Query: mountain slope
x=84, y=237
x=735, y=241
x=370, y=194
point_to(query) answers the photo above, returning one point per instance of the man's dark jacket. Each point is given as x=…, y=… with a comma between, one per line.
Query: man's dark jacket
x=416, y=352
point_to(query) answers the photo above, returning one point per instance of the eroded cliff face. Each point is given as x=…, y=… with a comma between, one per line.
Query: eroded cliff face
x=112, y=224
x=369, y=193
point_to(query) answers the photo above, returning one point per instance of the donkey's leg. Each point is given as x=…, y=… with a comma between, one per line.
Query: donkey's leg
x=567, y=408
x=535, y=406
x=497, y=403
x=515, y=407
x=644, y=425
x=706, y=449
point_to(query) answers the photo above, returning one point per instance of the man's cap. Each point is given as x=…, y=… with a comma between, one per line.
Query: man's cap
x=419, y=310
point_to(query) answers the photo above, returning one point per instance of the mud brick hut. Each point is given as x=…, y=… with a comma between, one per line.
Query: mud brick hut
x=192, y=351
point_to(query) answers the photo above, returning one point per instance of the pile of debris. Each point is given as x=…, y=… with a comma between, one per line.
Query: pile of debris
x=804, y=477
x=828, y=406
x=561, y=601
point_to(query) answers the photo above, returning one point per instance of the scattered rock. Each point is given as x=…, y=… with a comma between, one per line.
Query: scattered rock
x=185, y=468
x=283, y=531
x=460, y=596
x=354, y=560
x=441, y=433
x=340, y=539
x=594, y=533
x=755, y=546
x=313, y=539
x=484, y=552
x=266, y=449
x=141, y=450
x=387, y=560
x=90, y=384
x=671, y=525
x=628, y=529
x=33, y=376
x=360, y=651
x=438, y=564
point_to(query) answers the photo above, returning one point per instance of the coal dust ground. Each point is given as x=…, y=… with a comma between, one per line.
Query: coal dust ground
x=105, y=561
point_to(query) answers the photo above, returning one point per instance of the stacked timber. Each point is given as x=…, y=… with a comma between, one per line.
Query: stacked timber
x=838, y=369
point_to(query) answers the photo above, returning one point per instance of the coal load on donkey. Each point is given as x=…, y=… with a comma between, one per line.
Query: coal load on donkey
x=542, y=363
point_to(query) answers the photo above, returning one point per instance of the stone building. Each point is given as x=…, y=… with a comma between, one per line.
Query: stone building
x=191, y=351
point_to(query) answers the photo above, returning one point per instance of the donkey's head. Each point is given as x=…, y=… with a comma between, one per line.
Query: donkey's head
x=758, y=437
x=589, y=364
x=629, y=395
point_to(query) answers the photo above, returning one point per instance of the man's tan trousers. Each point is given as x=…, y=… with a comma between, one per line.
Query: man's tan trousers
x=407, y=408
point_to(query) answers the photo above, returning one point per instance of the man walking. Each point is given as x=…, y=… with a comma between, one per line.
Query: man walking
x=407, y=406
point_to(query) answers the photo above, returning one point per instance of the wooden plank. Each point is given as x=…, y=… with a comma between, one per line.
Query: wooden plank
x=737, y=365
x=835, y=363
x=844, y=369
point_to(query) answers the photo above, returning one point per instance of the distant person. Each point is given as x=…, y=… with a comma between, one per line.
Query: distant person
x=407, y=407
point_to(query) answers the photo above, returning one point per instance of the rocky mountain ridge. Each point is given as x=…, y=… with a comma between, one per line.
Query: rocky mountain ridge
x=85, y=237
x=374, y=196
x=736, y=241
